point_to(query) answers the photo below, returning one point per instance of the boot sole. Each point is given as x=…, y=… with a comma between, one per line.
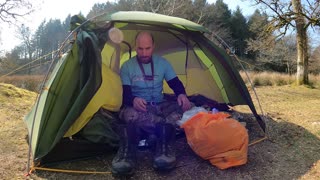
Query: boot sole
x=121, y=174
x=164, y=168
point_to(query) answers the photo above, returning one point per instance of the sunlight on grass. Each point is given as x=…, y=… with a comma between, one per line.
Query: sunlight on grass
x=14, y=104
x=276, y=79
x=29, y=82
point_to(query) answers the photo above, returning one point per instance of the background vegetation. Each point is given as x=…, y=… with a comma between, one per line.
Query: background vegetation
x=247, y=36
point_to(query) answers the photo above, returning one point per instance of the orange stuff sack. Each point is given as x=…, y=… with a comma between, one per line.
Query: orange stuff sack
x=215, y=137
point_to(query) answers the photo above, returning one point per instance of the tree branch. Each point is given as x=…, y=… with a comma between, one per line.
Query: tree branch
x=11, y=10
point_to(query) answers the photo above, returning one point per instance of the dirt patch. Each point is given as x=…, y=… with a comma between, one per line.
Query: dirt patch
x=291, y=152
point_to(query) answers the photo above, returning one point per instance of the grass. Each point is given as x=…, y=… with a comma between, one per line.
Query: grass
x=293, y=124
x=292, y=150
x=29, y=82
x=276, y=79
x=14, y=104
x=32, y=82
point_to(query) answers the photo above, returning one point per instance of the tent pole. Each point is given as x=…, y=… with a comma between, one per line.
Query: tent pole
x=227, y=47
x=42, y=89
x=242, y=67
x=45, y=80
x=37, y=103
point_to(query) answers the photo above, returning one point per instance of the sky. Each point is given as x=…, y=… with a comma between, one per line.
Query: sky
x=60, y=9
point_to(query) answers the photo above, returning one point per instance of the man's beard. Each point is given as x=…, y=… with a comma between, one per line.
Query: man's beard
x=144, y=59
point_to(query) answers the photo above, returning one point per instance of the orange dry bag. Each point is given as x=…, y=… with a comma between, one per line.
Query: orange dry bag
x=214, y=137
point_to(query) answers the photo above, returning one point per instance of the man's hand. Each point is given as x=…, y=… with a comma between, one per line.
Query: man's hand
x=140, y=104
x=184, y=102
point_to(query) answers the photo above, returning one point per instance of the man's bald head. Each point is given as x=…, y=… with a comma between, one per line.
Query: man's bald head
x=144, y=34
x=144, y=46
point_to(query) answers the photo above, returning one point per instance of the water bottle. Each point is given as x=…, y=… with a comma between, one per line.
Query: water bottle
x=214, y=111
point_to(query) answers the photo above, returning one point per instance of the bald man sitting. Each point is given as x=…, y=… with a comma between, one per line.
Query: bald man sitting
x=145, y=112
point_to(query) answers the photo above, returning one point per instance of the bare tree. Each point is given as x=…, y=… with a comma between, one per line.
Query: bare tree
x=1, y=50
x=315, y=61
x=24, y=34
x=299, y=16
x=167, y=7
x=10, y=10
x=9, y=62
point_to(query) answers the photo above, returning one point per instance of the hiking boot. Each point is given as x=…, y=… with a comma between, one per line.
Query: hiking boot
x=123, y=164
x=165, y=158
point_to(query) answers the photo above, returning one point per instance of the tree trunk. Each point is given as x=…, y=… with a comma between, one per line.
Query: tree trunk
x=302, y=45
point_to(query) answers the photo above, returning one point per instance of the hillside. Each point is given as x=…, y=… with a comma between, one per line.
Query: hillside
x=14, y=104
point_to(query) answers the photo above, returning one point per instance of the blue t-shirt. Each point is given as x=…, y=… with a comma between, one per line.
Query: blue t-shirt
x=150, y=90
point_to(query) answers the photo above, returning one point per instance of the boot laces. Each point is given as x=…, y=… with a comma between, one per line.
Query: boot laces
x=124, y=153
x=164, y=147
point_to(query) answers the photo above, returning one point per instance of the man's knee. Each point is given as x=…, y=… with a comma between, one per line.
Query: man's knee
x=128, y=114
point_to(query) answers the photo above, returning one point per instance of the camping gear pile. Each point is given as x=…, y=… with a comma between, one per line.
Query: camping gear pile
x=217, y=138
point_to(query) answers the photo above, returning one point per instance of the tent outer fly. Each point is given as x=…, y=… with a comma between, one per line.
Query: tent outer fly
x=86, y=80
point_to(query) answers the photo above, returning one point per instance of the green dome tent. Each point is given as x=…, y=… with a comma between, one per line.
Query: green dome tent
x=86, y=79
